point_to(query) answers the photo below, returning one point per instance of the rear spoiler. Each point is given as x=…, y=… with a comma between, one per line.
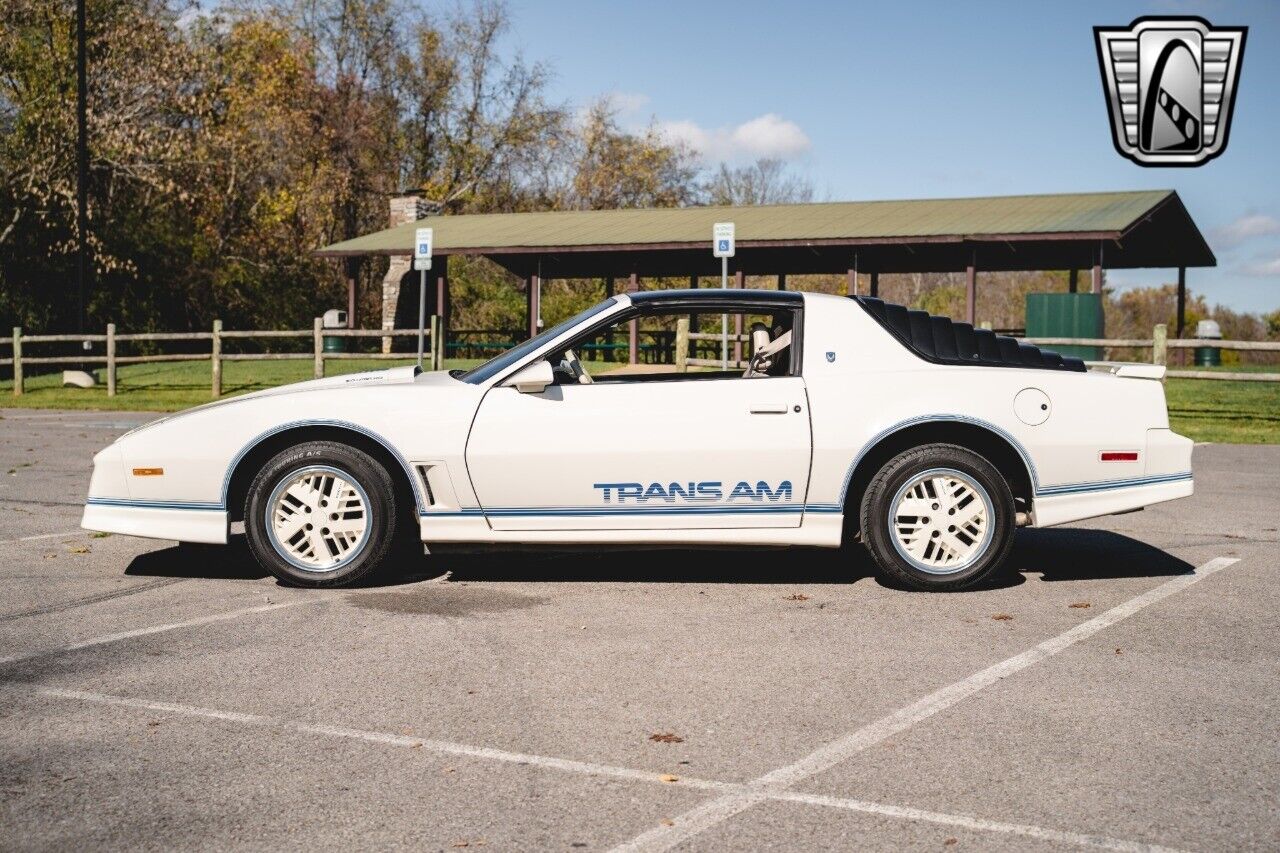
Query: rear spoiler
x=1128, y=370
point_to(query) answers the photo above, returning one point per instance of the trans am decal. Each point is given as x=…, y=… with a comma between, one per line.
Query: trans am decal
x=707, y=491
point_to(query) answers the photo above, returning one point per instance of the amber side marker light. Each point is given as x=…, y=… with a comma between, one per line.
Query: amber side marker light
x=148, y=472
x=1119, y=456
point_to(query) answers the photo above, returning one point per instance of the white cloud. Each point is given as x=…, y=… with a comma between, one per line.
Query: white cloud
x=1262, y=267
x=769, y=135
x=1246, y=228
x=627, y=103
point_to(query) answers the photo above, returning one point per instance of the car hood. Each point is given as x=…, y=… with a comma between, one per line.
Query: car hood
x=407, y=375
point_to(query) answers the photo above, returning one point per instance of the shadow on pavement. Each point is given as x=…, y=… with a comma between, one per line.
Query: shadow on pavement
x=213, y=562
x=645, y=565
x=1055, y=555
x=1067, y=554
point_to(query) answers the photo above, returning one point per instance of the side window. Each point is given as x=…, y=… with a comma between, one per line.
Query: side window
x=681, y=346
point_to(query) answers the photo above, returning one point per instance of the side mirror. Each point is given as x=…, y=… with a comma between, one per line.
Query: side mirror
x=533, y=378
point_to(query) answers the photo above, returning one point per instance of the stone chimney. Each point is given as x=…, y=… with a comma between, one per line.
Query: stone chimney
x=406, y=208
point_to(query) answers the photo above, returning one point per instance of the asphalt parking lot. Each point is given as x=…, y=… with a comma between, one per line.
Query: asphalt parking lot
x=1117, y=689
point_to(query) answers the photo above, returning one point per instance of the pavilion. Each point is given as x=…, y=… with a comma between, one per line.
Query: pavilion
x=1078, y=231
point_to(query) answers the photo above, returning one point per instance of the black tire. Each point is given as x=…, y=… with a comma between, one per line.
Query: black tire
x=898, y=473
x=351, y=464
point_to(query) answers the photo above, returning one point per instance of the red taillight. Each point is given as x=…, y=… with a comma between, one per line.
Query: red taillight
x=1119, y=456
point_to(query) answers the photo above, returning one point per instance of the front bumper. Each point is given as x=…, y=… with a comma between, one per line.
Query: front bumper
x=184, y=523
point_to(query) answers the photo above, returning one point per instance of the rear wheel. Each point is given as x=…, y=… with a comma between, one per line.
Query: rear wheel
x=320, y=514
x=938, y=517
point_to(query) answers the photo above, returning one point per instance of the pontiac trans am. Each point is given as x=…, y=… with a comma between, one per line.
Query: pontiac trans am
x=826, y=420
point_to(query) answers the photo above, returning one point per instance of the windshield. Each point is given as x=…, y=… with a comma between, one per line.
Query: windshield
x=497, y=364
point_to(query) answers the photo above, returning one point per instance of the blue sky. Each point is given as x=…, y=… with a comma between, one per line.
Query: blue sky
x=925, y=99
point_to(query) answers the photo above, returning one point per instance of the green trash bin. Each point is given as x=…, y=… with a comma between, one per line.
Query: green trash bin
x=1067, y=315
x=1208, y=356
x=334, y=318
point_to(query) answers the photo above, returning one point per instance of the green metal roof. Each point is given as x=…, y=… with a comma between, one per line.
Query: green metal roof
x=1085, y=215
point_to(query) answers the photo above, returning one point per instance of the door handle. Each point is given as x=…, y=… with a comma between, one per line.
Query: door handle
x=768, y=410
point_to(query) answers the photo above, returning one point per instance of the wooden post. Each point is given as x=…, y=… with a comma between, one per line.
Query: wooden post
x=216, y=358
x=1095, y=280
x=1073, y=281
x=740, y=282
x=607, y=355
x=111, y=359
x=782, y=281
x=1160, y=344
x=633, y=331
x=353, y=273
x=435, y=342
x=317, y=338
x=1182, y=303
x=532, y=303
x=442, y=309
x=694, y=322
x=971, y=290
x=17, y=362
x=682, y=345
x=875, y=284
x=851, y=283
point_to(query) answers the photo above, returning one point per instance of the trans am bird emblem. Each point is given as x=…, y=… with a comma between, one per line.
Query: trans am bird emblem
x=1170, y=85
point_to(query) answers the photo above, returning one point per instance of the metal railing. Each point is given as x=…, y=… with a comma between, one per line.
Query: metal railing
x=216, y=356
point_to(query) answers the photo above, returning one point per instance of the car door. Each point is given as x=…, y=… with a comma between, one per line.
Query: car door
x=689, y=453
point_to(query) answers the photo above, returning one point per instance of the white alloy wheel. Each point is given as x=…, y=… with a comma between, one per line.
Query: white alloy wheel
x=940, y=521
x=318, y=518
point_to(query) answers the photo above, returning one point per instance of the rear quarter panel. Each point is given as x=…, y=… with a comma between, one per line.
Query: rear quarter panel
x=864, y=385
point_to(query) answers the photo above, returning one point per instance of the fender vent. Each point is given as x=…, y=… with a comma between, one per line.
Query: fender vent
x=426, y=484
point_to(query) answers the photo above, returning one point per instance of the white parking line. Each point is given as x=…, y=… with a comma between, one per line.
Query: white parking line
x=714, y=812
x=155, y=629
x=975, y=823
x=611, y=771
x=42, y=536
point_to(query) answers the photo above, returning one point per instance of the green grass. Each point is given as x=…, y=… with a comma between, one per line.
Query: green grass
x=1235, y=412
x=1227, y=412
x=167, y=387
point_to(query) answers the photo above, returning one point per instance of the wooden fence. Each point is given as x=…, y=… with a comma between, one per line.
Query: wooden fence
x=1160, y=344
x=685, y=345
x=216, y=337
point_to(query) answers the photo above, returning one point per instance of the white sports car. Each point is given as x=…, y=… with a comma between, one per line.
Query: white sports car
x=929, y=440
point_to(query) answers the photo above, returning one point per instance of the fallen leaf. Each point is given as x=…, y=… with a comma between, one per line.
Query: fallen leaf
x=1002, y=617
x=80, y=550
x=48, y=556
x=667, y=777
x=666, y=821
x=417, y=745
x=1118, y=652
x=1080, y=605
x=450, y=770
x=666, y=737
x=99, y=535
x=799, y=596
x=950, y=841
x=153, y=722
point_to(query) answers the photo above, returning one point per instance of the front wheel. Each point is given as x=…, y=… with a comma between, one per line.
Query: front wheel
x=938, y=517
x=320, y=514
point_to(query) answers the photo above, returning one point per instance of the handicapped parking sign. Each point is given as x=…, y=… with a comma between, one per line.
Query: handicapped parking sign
x=422, y=249
x=722, y=240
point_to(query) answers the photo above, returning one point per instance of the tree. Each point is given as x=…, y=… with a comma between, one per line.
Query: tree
x=765, y=181
x=610, y=168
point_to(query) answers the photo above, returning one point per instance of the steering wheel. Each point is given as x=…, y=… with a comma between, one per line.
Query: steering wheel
x=579, y=372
